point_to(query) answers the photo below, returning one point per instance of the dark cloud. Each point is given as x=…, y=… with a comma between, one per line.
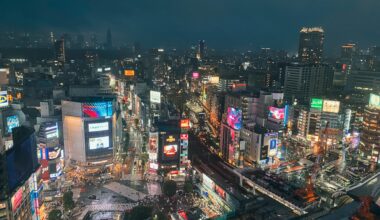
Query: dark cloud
x=222, y=23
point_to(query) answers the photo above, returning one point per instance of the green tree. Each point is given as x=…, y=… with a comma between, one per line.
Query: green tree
x=55, y=214
x=68, y=202
x=137, y=121
x=169, y=188
x=144, y=158
x=139, y=213
x=188, y=186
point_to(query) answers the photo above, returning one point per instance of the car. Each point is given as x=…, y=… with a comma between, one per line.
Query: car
x=92, y=197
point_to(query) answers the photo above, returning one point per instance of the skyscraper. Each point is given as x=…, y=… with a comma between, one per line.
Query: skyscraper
x=201, y=49
x=311, y=45
x=109, y=39
x=59, y=51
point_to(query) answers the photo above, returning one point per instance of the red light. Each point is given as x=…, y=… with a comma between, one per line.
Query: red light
x=184, y=136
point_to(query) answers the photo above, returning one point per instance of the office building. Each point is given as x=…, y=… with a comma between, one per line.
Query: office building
x=311, y=45
x=89, y=126
x=303, y=81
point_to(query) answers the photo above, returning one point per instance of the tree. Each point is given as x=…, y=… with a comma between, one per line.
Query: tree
x=144, y=158
x=188, y=187
x=169, y=188
x=68, y=202
x=55, y=214
x=139, y=213
x=137, y=121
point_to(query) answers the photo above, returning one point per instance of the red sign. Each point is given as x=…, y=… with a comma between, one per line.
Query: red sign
x=185, y=123
x=45, y=175
x=17, y=199
x=184, y=137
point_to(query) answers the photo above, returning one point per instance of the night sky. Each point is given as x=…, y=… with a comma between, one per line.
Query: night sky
x=240, y=24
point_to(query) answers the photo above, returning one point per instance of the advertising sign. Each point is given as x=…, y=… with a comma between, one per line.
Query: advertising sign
x=213, y=79
x=129, y=72
x=170, y=150
x=12, y=122
x=316, y=103
x=17, y=199
x=220, y=192
x=155, y=97
x=153, y=145
x=277, y=113
x=234, y=118
x=331, y=106
x=101, y=126
x=21, y=161
x=195, y=75
x=99, y=142
x=374, y=100
x=45, y=175
x=185, y=123
x=97, y=109
x=3, y=99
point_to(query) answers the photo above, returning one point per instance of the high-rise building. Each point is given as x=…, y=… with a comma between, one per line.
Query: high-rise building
x=201, y=49
x=109, y=39
x=347, y=52
x=59, y=52
x=311, y=45
x=303, y=81
x=370, y=138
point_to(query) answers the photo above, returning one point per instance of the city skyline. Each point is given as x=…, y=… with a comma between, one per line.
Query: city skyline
x=224, y=25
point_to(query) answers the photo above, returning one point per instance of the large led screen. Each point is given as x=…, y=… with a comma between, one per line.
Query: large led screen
x=21, y=162
x=12, y=122
x=170, y=150
x=96, y=143
x=331, y=106
x=276, y=113
x=234, y=118
x=374, y=100
x=97, y=109
x=100, y=126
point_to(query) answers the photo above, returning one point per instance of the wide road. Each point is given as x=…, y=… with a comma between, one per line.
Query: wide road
x=372, y=188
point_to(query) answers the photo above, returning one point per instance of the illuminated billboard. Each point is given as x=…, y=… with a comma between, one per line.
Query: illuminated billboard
x=21, y=159
x=96, y=143
x=213, y=79
x=153, y=145
x=170, y=150
x=234, y=118
x=12, y=122
x=195, y=75
x=100, y=126
x=155, y=97
x=185, y=123
x=16, y=199
x=277, y=113
x=129, y=72
x=374, y=100
x=316, y=103
x=97, y=109
x=3, y=99
x=331, y=106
